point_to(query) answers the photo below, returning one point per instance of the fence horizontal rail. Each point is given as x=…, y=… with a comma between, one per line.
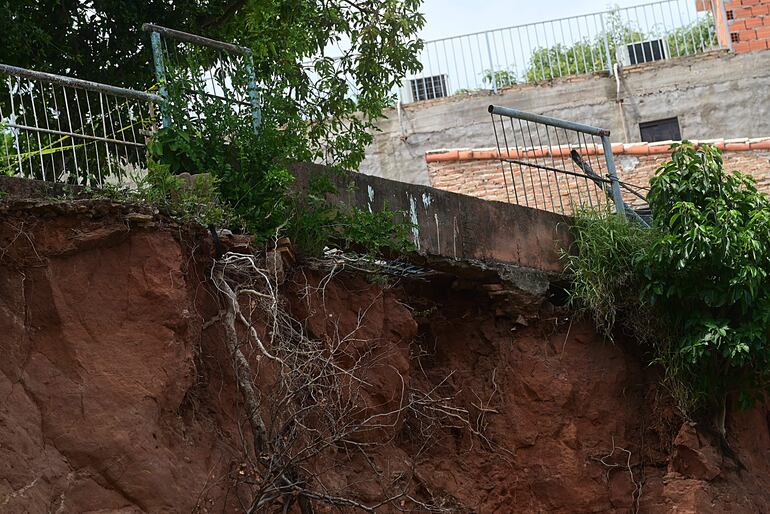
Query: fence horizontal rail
x=196, y=39
x=547, y=120
x=87, y=85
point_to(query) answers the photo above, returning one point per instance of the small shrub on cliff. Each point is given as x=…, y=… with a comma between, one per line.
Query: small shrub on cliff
x=708, y=272
x=703, y=270
x=602, y=266
x=249, y=163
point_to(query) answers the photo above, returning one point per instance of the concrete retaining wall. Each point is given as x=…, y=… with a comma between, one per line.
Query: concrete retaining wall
x=454, y=225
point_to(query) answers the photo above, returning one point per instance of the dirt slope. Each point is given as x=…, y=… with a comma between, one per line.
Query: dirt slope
x=117, y=394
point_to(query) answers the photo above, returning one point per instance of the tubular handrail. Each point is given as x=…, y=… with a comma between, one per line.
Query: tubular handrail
x=196, y=39
x=79, y=83
x=547, y=120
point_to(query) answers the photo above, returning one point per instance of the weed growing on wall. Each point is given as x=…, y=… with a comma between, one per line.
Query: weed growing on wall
x=313, y=222
x=702, y=271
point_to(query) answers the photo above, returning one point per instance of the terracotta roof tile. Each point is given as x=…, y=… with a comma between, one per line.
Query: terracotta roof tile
x=658, y=147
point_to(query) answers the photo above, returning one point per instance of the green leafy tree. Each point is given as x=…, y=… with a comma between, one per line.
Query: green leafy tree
x=101, y=40
x=693, y=289
x=307, y=111
x=708, y=272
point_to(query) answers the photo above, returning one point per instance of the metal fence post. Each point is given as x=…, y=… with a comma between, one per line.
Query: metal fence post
x=607, y=46
x=617, y=198
x=256, y=109
x=491, y=66
x=160, y=76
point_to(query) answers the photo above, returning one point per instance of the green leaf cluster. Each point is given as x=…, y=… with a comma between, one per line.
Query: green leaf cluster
x=694, y=286
x=708, y=271
x=315, y=222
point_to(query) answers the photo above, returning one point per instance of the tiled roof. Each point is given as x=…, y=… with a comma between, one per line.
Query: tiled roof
x=660, y=147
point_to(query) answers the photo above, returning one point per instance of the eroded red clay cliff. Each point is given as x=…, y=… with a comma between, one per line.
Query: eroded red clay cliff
x=118, y=395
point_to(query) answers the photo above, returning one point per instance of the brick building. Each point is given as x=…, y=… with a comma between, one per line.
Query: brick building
x=743, y=25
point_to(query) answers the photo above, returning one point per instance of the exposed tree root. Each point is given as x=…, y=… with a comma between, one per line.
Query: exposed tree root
x=313, y=398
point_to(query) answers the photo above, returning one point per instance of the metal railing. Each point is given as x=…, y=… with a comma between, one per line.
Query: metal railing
x=563, y=47
x=211, y=70
x=64, y=129
x=558, y=165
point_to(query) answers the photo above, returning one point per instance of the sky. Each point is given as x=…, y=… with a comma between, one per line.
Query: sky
x=444, y=18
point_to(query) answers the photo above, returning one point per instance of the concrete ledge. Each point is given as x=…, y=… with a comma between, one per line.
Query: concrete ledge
x=20, y=188
x=454, y=225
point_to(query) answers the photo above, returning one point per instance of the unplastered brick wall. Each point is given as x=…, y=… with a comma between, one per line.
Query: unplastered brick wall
x=743, y=24
x=748, y=23
x=481, y=173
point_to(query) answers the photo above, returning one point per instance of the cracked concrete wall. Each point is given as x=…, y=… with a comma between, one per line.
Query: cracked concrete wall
x=714, y=95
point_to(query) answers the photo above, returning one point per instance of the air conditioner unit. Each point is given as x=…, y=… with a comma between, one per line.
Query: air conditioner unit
x=405, y=93
x=424, y=88
x=643, y=51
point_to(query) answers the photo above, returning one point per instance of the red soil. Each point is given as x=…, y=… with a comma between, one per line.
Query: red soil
x=116, y=397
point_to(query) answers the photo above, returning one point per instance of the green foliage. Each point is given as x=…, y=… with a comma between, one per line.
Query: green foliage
x=500, y=78
x=698, y=36
x=708, y=272
x=591, y=54
x=602, y=266
x=315, y=222
x=586, y=55
x=561, y=60
x=189, y=199
x=696, y=284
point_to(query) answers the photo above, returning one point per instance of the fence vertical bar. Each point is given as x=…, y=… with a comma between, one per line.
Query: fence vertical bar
x=256, y=109
x=160, y=76
x=491, y=65
x=614, y=182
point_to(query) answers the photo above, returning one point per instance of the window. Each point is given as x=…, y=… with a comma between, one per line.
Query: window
x=428, y=88
x=660, y=130
x=730, y=15
x=735, y=37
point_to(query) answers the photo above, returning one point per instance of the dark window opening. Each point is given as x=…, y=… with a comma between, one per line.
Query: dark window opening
x=660, y=130
x=730, y=15
x=429, y=88
x=735, y=37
